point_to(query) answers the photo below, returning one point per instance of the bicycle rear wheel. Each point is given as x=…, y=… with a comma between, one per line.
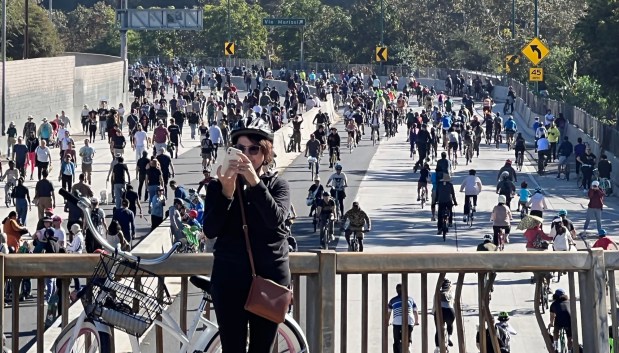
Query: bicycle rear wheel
x=89, y=339
x=289, y=339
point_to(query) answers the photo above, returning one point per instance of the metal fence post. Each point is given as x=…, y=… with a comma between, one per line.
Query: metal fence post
x=321, y=309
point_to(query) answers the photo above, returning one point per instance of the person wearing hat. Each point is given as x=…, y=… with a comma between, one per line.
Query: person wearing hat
x=449, y=314
x=40, y=238
x=487, y=244
x=97, y=216
x=11, y=133
x=537, y=203
x=604, y=241
x=446, y=199
x=595, y=205
x=560, y=318
x=45, y=130
x=156, y=206
x=245, y=188
x=501, y=217
x=29, y=126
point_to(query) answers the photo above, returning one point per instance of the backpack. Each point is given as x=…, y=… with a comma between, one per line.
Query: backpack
x=505, y=188
x=503, y=337
x=95, y=215
x=52, y=246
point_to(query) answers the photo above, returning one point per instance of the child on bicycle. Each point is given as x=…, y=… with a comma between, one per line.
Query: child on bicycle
x=422, y=183
x=525, y=194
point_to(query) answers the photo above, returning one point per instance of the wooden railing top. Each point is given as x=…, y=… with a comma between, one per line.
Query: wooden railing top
x=73, y=265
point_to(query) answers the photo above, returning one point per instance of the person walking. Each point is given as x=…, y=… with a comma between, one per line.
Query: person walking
x=13, y=230
x=97, y=216
x=167, y=167
x=595, y=206
x=32, y=143
x=67, y=173
x=140, y=174
x=139, y=142
x=20, y=156
x=126, y=220
x=154, y=179
x=261, y=200
x=87, y=153
x=44, y=194
x=447, y=309
x=156, y=206
x=119, y=181
x=11, y=139
x=396, y=307
x=21, y=199
x=43, y=158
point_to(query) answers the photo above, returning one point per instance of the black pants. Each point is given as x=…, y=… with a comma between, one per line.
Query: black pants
x=496, y=230
x=155, y=222
x=553, y=151
x=40, y=167
x=469, y=200
x=67, y=182
x=587, y=173
x=141, y=180
x=229, y=299
x=92, y=132
x=537, y=213
x=166, y=177
x=423, y=152
x=449, y=316
x=397, y=337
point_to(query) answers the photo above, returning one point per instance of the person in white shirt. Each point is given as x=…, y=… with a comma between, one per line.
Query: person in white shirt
x=76, y=246
x=471, y=186
x=43, y=157
x=548, y=118
x=215, y=135
x=64, y=141
x=64, y=119
x=140, y=141
x=537, y=203
x=58, y=231
x=84, y=116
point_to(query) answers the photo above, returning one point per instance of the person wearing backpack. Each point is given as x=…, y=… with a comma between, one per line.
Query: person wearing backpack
x=504, y=331
x=506, y=188
x=97, y=215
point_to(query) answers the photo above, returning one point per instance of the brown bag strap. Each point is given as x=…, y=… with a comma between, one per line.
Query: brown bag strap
x=239, y=194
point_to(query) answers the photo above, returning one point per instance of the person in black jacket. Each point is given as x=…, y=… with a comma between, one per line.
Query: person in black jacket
x=446, y=199
x=266, y=203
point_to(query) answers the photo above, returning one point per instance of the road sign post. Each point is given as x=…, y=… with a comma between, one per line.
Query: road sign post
x=288, y=22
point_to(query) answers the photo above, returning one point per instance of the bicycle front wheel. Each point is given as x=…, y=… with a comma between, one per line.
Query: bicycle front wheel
x=89, y=340
x=289, y=339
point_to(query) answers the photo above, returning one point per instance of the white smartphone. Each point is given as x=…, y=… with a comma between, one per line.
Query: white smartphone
x=231, y=155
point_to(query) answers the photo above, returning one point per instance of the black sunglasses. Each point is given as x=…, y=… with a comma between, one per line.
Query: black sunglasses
x=251, y=150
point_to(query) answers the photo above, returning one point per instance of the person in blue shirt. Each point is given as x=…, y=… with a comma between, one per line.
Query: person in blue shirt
x=510, y=125
x=536, y=124
x=179, y=191
x=524, y=195
x=446, y=122
x=157, y=203
x=197, y=205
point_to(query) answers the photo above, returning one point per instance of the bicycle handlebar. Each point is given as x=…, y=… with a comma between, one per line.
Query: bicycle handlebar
x=84, y=204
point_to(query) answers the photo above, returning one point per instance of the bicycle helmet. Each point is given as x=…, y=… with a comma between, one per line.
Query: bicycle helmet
x=559, y=292
x=338, y=167
x=503, y=316
x=562, y=213
x=502, y=199
x=488, y=237
x=538, y=190
x=325, y=194
x=505, y=174
x=595, y=183
x=602, y=232
x=193, y=214
x=446, y=285
x=258, y=127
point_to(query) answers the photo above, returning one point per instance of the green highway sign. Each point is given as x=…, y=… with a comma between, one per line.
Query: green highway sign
x=284, y=22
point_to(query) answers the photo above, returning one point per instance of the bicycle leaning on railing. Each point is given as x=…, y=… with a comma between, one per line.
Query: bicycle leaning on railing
x=114, y=299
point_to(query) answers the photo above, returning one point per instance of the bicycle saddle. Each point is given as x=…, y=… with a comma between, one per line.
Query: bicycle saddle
x=202, y=282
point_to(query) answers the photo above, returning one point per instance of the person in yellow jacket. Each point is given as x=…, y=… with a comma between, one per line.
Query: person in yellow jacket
x=553, y=138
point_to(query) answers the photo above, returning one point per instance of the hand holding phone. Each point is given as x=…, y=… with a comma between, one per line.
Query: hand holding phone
x=232, y=154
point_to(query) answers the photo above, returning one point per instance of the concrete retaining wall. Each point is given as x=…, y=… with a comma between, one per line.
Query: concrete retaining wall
x=45, y=86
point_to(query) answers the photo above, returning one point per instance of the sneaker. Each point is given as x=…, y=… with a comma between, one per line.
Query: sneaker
x=464, y=219
x=474, y=208
x=331, y=237
x=433, y=219
x=439, y=232
x=418, y=199
x=449, y=343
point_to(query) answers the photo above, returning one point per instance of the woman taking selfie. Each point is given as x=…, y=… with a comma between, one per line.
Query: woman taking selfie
x=245, y=193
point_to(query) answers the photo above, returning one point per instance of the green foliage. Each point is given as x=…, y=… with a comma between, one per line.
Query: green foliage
x=43, y=36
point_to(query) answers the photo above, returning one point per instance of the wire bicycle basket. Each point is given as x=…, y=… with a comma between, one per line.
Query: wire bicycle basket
x=123, y=295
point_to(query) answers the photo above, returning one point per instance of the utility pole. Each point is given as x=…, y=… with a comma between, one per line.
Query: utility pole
x=229, y=34
x=382, y=28
x=26, y=53
x=50, y=9
x=513, y=19
x=123, y=48
x=536, y=20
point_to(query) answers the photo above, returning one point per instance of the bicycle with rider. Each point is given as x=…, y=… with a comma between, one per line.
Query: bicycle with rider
x=446, y=199
x=565, y=151
x=11, y=175
x=321, y=136
x=333, y=142
x=352, y=130
x=338, y=183
x=325, y=212
x=588, y=161
x=506, y=188
x=560, y=318
x=497, y=126
x=489, y=122
x=510, y=129
x=313, y=148
x=375, y=125
x=479, y=134
x=357, y=220
x=467, y=137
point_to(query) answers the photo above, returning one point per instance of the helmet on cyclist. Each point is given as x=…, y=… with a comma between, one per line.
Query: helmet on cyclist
x=503, y=316
x=562, y=213
x=446, y=285
x=325, y=194
x=557, y=220
x=559, y=292
x=505, y=175
x=488, y=237
x=258, y=128
x=193, y=214
x=595, y=184
x=602, y=232
x=509, y=161
x=338, y=167
x=502, y=199
x=472, y=172
x=538, y=190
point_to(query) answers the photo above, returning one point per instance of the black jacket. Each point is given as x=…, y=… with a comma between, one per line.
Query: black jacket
x=266, y=207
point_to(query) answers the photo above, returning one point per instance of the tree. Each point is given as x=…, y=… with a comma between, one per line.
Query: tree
x=43, y=36
x=92, y=30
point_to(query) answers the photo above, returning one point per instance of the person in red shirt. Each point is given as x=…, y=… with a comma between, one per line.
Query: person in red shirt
x=605, y=242
x=596, y=203
x=535, y=236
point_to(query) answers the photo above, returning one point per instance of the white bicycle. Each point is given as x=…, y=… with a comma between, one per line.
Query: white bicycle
x=114, y=299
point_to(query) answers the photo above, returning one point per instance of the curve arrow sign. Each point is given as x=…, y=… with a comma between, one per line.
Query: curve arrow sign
x=534, y=48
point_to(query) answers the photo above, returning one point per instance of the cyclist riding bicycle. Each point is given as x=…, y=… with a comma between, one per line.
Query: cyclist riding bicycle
x=338, y=183
x=375, y=124
x=565, y=151
x=446, y=199
x=351, y=130
x=510, y=128
x=325, y=211
x=520, y=146
x=11, y=175
x=471, y=186
x=357, y=219
x=454, y=140
x=312, y=148
x=467, y=138
x=506, y=188
x=489, y=122
x=497, y=125
x=507, y=167
x=333, y=142
x=560, y=318
x=321, y=136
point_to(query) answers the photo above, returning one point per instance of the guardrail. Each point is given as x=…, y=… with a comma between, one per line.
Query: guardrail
x=316, y=277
